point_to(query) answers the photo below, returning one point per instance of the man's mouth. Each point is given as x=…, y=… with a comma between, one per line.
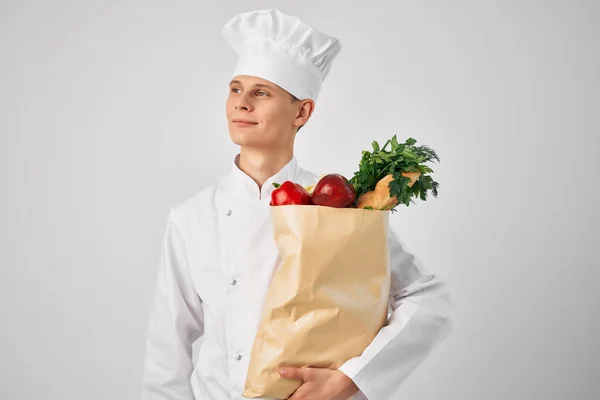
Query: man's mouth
x=244, y=122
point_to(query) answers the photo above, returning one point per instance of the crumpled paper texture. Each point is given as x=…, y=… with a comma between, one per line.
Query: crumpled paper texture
x=328, y=298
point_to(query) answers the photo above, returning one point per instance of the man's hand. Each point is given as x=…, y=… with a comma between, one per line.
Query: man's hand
x=320, y=383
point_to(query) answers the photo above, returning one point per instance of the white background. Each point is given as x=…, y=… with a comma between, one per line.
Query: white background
x=113, y=111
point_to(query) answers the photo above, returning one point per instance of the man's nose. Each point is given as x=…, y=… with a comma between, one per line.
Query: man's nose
x=243, y=102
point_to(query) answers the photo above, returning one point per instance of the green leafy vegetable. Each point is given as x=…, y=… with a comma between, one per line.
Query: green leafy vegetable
x=402, y=157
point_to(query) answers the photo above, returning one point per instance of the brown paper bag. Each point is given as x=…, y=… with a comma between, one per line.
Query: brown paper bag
x=329, y=297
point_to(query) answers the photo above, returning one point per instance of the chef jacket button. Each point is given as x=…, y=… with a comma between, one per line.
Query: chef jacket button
x=233, y=281
x=238, y=357
x=228, y=213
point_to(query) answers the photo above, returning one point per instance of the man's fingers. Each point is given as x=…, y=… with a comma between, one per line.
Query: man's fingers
x=299, y=394
x=295, y=373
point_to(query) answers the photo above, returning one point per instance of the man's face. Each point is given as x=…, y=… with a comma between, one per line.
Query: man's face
x=270, y=108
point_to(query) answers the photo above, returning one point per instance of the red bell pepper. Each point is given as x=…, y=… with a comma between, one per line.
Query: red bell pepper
x=289, y=193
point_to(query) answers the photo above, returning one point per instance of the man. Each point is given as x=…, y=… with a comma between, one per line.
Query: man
x=218, y=253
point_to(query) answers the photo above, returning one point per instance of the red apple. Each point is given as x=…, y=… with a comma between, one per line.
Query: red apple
x=333, y=190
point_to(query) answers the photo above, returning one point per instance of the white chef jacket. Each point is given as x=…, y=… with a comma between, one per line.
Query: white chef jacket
x=217, y=259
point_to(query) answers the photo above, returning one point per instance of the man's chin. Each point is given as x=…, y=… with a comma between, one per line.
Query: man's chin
x=245, y=141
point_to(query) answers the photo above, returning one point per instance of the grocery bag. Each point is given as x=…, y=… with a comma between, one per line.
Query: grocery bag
x=327, y=299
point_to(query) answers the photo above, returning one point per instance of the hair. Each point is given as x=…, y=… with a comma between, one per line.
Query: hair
x=295, y=100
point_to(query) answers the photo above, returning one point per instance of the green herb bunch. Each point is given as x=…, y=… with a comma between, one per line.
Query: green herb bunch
x=403, y=157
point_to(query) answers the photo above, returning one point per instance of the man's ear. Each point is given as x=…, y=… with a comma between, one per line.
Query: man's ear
x=305, y=110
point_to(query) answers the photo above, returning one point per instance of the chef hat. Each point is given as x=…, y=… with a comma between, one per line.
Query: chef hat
x=282, y=49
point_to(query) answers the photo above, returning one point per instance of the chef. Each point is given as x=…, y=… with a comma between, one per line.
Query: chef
x=218, y=254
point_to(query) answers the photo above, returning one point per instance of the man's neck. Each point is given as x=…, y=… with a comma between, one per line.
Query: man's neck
x=260, y=165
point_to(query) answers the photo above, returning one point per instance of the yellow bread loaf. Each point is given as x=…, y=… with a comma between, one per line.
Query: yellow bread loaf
x=379, y=199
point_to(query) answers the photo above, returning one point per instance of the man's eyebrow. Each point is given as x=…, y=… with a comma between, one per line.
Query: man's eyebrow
x=235, y=81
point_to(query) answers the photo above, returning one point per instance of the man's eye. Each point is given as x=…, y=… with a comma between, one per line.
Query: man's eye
x=234, y=90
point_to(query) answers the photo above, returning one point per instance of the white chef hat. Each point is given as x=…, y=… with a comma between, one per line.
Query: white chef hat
x=282, y=49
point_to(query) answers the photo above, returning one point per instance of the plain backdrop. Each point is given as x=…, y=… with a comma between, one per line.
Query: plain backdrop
x=113, y=111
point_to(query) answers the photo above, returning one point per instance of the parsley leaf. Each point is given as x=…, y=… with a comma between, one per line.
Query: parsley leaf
x=402, y=157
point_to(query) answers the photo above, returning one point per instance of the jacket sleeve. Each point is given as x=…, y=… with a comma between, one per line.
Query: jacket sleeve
x=176, y=321
x=421, y=318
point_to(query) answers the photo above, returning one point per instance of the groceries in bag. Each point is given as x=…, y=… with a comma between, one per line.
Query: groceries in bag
x=329, y=297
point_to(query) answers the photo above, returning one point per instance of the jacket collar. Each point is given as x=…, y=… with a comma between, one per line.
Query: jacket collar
x=289, y=172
